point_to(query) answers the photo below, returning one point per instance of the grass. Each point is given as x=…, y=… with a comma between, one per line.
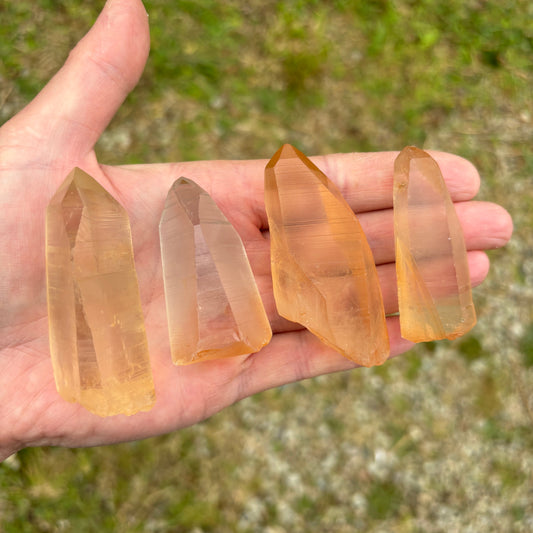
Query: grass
x=438, y=440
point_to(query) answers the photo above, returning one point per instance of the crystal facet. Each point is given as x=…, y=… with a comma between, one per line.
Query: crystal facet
x=213, y=304
x=323, y=270
x=97, y=335
x=434, y=294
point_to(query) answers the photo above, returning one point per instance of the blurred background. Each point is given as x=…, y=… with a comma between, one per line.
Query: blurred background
x=440, y=439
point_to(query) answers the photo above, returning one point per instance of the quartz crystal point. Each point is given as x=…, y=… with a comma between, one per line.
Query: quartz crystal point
x=213, y=305
x=97, y=335
x=434, y=294
x=323, y=270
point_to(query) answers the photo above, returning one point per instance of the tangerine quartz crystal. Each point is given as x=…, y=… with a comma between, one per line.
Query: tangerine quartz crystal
x=213, y=305
x=97, y=336
x=323, y=271
x=434, y=293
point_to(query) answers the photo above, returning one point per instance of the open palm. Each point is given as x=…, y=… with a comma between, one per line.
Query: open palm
x=56, y=132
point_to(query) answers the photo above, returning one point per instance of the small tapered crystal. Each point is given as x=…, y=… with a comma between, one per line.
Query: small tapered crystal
x=434, y=292
x=214, y=308
x=97, y=335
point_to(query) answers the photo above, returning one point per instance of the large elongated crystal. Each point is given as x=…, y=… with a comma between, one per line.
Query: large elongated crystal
x=213, y=305
x=434, y=293
x=97, y=335
x=323, y=270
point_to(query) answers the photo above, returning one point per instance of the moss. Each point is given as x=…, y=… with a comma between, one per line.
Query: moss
x=470, y=348
x=384, y=499
x=526, y=346
x=414, y=366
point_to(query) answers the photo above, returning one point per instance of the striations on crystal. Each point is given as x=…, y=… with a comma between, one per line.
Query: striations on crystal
x=434, y=292
x=97, y=335
x=323, y=271
x=213, y=305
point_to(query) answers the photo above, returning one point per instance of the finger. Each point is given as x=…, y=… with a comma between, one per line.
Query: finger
x=300, y=355
x=485, y=226
x=76, y=105
x=478, y=263
x=365, y=180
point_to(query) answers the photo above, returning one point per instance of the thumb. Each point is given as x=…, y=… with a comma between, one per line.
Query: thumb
x=74, y=108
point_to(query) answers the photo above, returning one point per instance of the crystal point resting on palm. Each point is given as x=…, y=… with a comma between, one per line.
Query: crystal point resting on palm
x=213, y=305
x=97, y=335
x=323, y=271
x=434, y=293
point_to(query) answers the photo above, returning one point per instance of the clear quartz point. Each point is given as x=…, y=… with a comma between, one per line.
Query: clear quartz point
x=434, y=292
x=213, y=305
x=323, y=270
x=97, y=335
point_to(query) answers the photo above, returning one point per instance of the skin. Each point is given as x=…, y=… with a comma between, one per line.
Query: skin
x=56, y=132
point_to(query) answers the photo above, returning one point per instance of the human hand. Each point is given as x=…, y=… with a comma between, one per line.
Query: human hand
x=56, y=132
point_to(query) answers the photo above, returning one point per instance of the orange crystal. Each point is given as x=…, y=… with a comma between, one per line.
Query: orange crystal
x=323, y=270
x=97, y=335
x=213, y=304
x=434, y=293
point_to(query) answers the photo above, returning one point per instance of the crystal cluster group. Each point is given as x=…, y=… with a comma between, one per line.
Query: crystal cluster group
x=323, y=271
